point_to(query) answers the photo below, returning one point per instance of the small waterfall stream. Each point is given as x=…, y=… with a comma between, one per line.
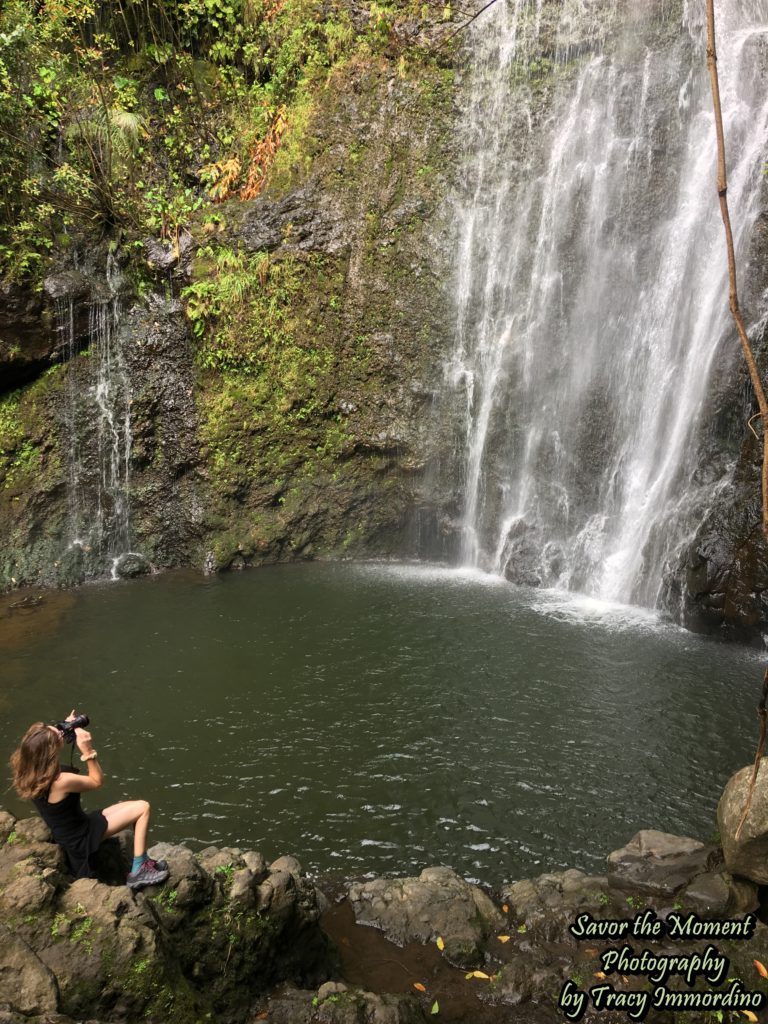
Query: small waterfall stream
x=592, y=292
x=97, y=425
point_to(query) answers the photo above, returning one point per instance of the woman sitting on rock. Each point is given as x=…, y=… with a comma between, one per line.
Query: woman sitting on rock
x=55, y=791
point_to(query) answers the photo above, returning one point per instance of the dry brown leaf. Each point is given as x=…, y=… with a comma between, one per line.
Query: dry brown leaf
x=419, y=987
x=599, y=974
x=760, y=968
x=505, y=908
x=750, y=1016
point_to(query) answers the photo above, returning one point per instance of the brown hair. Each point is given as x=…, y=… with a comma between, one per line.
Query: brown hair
x=35, y=762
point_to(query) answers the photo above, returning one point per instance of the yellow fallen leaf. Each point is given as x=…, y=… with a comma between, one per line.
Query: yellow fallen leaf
x=481, y=974
x=750, y=1016
x=440, y=943
x=467, y=977
x=760, y=969
x=503, y=938
x=505, y=908
x=599, y=974
x=435, y=1007
x=419, y=987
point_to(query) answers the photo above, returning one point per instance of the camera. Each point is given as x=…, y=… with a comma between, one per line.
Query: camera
x=68, y=728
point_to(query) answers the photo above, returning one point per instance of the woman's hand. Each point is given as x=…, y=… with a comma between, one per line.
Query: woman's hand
x=84, y=741
x=71, y=716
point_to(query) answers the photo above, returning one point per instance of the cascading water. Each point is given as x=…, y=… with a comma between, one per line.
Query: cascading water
x=98, y=431
x=112, y=394
x=592, y=291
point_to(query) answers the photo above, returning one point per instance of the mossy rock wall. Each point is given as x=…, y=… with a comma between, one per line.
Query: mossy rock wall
x=280, y=370
x=314, y=389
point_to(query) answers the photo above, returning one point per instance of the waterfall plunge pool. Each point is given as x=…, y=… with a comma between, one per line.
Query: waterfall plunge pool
x=375, y=719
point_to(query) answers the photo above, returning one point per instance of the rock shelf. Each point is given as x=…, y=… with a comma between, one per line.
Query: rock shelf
x=234, y=938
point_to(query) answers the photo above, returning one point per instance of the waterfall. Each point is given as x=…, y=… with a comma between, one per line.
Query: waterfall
x=592, y=280
x=97, y=428
x=111, y=525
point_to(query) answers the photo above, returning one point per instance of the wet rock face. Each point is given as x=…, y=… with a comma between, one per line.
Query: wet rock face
x=58, y=456
x=719, y=583
x=31, y=339
x=165, y=492
x=87, y=949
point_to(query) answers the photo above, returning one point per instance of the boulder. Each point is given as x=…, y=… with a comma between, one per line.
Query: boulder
x=132, y=564
x=33, y=830
x=188, y=879
x=256, y=863
x=546, y=906
x=717, y=894
x=7, y=825
x=532, y=976
x=437, y=904
x=747, y=855
x=336, y=1003
x=658, y=863
x=27, y=984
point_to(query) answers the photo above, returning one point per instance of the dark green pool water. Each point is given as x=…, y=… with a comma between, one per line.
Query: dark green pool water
x=374, y=719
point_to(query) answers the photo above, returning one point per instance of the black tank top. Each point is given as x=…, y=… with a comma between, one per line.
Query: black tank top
x=78, y=833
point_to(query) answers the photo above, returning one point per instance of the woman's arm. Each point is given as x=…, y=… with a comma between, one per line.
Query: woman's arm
x=68, y=782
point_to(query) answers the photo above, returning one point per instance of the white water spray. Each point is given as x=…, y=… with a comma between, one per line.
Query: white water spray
x=592, y=291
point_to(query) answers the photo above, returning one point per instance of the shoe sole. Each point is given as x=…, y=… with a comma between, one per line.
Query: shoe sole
x=143, y=883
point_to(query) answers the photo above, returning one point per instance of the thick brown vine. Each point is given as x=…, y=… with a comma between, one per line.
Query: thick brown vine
x=757, y=384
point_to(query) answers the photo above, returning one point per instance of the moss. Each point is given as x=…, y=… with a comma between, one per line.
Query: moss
x=19, y=458
x=268, y=332
x=161, y=998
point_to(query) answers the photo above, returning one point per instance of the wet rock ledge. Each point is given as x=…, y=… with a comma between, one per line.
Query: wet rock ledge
x=234, y=939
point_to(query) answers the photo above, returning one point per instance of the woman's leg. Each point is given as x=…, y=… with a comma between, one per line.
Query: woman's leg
x=129, y=812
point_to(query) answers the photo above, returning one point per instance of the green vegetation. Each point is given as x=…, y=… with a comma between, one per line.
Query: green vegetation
x=129, y=118
x=60, y=922
x=166, y=899
x=267, y=362
x=18, y=455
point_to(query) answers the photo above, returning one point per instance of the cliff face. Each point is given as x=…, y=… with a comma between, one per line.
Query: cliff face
x=269, y=366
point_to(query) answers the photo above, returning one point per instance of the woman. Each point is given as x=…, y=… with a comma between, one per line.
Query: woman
x=55, y=791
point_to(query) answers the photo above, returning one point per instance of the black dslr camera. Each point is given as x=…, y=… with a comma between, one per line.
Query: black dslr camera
x=68, y=728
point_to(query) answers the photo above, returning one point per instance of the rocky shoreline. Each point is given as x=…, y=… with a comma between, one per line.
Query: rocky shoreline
x=235, y=939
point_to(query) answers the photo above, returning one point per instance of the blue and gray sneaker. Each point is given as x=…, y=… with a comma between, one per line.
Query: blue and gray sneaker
x=150, y=873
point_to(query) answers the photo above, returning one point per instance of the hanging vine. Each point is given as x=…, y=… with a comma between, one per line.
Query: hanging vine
x=757, y=384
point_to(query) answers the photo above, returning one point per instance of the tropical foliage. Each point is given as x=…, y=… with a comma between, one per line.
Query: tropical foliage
x=128, y=115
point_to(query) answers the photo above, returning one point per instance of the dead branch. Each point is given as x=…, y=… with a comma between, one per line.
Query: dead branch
x=467, y=23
